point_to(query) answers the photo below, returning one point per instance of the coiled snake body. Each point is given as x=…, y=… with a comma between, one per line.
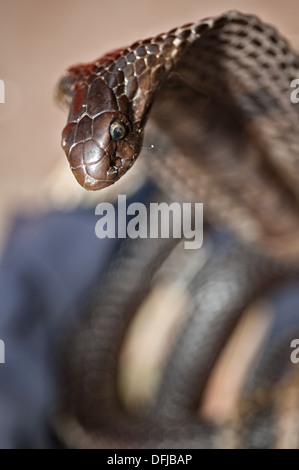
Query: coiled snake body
x=214, y=98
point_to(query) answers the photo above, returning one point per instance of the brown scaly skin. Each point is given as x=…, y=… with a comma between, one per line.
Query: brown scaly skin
x=118, y=86
x=219, y=93
x=219, y=90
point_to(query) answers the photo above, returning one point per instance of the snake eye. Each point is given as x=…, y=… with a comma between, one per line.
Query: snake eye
x=117, y=130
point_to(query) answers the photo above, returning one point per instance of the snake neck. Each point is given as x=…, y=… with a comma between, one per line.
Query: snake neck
x=135, y=73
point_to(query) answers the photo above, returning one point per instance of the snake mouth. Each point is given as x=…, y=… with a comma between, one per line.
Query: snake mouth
x=119, y=166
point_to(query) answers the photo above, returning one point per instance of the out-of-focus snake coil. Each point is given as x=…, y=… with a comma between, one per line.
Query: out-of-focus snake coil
x=212, y=99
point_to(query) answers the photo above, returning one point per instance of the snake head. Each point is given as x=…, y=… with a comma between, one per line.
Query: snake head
x=100, y=140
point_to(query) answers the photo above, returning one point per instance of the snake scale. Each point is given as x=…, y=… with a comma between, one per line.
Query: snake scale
x=212, y=99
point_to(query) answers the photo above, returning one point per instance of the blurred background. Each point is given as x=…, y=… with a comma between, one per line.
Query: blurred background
x=38, y=41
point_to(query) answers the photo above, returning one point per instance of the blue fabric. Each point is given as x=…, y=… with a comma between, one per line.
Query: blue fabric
x=49, y=263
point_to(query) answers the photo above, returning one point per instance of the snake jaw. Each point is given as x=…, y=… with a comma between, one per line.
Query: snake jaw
x=117, y=168
x=103, y=173
x=91, y=184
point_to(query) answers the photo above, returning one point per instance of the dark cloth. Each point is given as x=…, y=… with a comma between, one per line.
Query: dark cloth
x=48, y=264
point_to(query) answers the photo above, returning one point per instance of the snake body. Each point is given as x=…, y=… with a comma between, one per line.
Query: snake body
x=214, y=98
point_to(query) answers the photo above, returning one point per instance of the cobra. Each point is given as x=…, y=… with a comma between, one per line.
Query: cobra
x=214, y=96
